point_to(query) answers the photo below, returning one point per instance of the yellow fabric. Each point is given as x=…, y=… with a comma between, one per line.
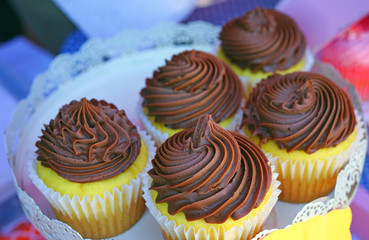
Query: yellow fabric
x=63, y=186
x=171, y=132
x=321, y=154
x=180, y=218
x=334, y=225
x=257, y=76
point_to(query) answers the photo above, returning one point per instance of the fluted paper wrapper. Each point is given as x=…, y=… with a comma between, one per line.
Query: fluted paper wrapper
x=100, y=217
x=248, y=229
x=160, y=137
x=304, y=180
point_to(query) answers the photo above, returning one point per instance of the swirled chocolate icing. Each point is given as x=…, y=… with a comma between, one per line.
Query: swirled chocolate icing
x=89, y=141
x=191, y=84
x=210, y=173
x=263, y=39
x=301, y=110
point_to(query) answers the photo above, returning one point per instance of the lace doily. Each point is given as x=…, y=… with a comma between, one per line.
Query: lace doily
x=96, y=52
x=51, y=229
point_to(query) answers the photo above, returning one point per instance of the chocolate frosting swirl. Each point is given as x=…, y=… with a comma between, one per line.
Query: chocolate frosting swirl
x=210, y=173
x=301, y=110
x=263, y=39
x=191, y=84
x=89, y=141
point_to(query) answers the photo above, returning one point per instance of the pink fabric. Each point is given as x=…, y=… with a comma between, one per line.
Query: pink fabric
x=320, y=20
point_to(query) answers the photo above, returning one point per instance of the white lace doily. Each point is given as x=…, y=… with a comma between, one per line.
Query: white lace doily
x=95, y=53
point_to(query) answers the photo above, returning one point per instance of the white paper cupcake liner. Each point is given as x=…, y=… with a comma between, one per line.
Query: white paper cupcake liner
x=99, y=217
x=160, y=137
x=304, y=180
x=309, y=60
x=247, y=229
x=156, y=134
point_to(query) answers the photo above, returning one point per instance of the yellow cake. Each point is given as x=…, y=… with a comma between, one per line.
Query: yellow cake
x=190, y=84
x=250, y=78
x=90, y=163
x=180, y=218
x=210, y=183
x=303, y=185
x=262, y=42
x=91, y=189
x=163, y=129
x=307, y=123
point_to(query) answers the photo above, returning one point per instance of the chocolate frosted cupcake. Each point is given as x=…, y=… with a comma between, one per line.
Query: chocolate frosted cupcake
x=308, y=124
x=208, y=182
x=90, y=161
x=262, y=42
x=191, y=84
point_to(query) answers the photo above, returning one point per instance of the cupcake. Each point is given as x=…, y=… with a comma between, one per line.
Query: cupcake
x=90, y=159
x=308, y=125
x=210, y=183
x=263, y=42
x=191, y=84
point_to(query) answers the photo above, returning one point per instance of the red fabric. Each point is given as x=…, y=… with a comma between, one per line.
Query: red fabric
x=349, y=54
x=23, y=231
